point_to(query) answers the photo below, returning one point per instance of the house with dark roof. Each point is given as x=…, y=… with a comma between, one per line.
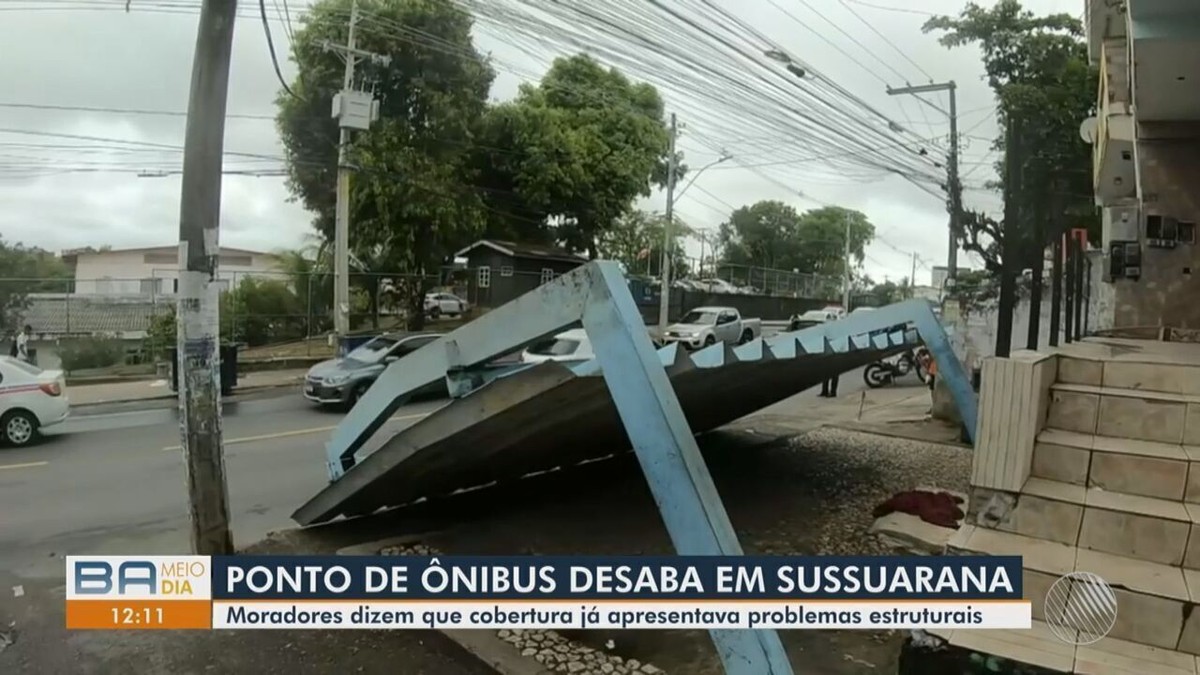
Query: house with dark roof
x=501, y=271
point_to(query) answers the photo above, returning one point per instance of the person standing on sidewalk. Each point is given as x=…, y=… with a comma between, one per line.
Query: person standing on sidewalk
x=23, y=343
x=829, y=387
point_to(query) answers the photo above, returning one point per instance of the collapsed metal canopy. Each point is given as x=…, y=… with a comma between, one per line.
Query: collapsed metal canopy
x=557, y=414
x=513, y=420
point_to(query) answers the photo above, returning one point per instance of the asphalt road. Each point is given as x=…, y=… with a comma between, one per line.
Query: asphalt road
x=115, y=483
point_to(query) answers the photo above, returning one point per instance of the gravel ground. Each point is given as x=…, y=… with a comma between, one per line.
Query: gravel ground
x=812, y=494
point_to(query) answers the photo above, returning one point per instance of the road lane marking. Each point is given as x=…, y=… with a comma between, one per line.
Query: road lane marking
x=289, y=434
x=26, y=465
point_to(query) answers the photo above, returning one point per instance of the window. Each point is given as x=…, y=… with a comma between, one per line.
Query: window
x=506, y=271
x=406, y=347
x=485, y=277
x=1187, y=232
x=547, y=275
x=151, y=286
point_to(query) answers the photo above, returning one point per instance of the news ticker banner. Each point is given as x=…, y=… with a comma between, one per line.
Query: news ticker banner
x=529, y=592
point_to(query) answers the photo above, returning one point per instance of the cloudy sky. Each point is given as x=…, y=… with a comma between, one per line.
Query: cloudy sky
x=72, y=178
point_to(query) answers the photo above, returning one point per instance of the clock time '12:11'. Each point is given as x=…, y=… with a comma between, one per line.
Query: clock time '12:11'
x=129, y=615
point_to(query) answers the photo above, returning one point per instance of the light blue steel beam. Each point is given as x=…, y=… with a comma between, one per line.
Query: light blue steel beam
x=669, y=456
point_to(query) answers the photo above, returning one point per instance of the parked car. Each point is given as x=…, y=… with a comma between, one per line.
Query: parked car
x=571, y=345
x=705, y=326
x=437, y=304
x=32, y=399
x=811, y=318
x=343, y=381
x=714, y=285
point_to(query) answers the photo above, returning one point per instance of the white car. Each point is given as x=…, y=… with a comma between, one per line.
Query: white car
x=713, y=285
x=30, y=400
x=571, y=345
x=437, y=304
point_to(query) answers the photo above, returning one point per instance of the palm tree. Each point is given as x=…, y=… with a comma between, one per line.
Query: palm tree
x=308, y=269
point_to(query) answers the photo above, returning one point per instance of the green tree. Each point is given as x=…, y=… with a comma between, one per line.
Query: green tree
x=25, y=270
x=772, y=234
x=1038, y=69
x=261, y=311
x=887, y=292
x=413, y=196
x=576, y=151
x=309, y=270
x=636, y=241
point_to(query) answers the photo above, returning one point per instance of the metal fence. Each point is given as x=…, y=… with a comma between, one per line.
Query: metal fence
x=788, y=283
x=256, y=307
x=271, y=307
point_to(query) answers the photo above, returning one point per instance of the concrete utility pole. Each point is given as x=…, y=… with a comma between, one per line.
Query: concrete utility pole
x=912, y=277
x=846, y=282
x=198, y=326
x=952, y=164
x=354, y=110
x=664, y=296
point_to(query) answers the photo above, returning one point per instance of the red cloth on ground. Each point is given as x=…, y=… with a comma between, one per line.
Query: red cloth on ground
x=936, y=508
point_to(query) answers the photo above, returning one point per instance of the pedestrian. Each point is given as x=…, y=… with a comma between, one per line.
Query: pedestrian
x=829, y=387
x=930, y=369
x=23, y=343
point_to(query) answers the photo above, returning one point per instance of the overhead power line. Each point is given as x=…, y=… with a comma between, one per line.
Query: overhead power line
x=262, y=9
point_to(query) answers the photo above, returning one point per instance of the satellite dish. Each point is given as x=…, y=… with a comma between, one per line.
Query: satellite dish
x=1087, y=130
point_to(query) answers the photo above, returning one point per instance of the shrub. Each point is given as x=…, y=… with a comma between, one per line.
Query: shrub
x=90, y=353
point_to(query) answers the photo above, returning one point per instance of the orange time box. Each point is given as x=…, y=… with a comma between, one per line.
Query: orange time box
x=139, y=614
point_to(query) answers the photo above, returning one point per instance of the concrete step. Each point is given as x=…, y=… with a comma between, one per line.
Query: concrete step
x=1152, y=599
x=1156, y=530
x=1178, y=376
x=1168, y=471
x=1125, y=413
x=1040, y=647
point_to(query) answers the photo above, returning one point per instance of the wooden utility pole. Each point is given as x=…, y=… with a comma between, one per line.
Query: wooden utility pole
x=197, y=313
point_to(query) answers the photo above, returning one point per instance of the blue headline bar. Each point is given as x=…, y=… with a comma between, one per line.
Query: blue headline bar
x=616, y=578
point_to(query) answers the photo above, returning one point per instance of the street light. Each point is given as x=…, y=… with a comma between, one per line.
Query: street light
x=724, y=157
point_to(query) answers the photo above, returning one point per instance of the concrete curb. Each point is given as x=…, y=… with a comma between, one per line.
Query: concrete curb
x=237, y=393
x=881, y=429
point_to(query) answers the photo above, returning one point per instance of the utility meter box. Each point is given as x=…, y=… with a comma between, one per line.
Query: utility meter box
x=355, y=109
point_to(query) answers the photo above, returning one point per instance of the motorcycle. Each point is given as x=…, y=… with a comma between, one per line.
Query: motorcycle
x=882, y=373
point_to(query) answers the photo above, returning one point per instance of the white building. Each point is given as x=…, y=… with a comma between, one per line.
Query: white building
x=155, y=271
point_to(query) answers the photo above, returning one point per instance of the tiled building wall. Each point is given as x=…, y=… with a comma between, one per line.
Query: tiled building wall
x=1169, y=288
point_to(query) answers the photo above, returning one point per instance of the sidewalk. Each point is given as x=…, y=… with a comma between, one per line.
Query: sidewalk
x=901, y=411
x=144, y=390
